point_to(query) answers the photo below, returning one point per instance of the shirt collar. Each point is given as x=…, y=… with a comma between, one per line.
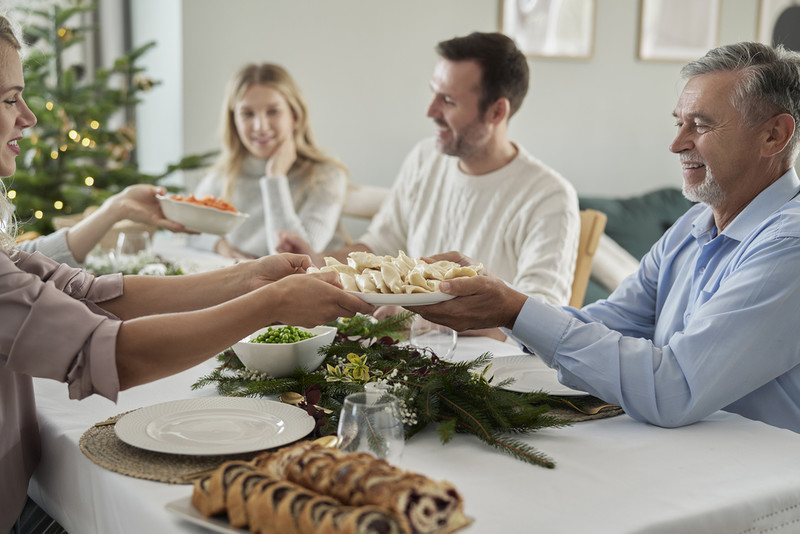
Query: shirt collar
x=767, y=202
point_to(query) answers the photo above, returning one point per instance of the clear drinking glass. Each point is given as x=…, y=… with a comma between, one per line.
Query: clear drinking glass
x=440, y=339
x=133, y=243
x=371, y=422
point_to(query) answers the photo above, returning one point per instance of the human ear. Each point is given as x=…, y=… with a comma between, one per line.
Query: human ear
x=779, y=130
x=499, y=111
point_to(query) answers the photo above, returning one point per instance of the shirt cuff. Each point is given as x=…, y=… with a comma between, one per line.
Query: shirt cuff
x=540, y=327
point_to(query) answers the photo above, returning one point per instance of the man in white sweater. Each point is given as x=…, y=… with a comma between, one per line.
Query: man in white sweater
x=471, y=188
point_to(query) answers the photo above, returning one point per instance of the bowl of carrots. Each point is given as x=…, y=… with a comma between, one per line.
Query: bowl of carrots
x=206, y=214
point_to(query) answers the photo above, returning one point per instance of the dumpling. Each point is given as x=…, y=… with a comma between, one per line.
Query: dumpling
x=462, y=271
x=360, y=260
x=348, y=282
x=392, y=278
x=377, y=279
x=365, y=283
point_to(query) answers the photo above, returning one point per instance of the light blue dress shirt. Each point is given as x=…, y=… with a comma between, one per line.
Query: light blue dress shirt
x=708, y=322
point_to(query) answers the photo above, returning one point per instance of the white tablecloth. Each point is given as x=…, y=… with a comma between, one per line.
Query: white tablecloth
x=724, y=475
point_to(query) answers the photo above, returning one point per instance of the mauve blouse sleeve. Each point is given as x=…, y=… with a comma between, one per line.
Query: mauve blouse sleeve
x=51, y=327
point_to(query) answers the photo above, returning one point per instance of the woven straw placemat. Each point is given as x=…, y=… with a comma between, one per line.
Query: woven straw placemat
x=102, y=446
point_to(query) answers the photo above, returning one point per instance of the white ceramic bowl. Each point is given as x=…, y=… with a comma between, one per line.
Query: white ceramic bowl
x=201, y=218
x=282, y=359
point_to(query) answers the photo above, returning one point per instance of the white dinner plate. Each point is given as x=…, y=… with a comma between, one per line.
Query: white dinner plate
x=402, y=299
x=214, y=425
x=530, y=374
x=183, y=508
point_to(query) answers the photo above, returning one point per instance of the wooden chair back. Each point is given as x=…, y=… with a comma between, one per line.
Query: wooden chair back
x=593, y=223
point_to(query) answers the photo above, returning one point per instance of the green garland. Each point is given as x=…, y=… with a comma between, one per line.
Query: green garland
x=456, y=396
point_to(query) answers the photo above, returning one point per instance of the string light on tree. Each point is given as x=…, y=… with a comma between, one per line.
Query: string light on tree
x=73, y=157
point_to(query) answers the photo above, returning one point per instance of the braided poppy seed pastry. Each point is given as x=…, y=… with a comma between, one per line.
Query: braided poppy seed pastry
x=298, y=469
x=422, y=506
x=276, y=463
x=314, y=511
x=359, y=520
x=217, y=486
x=201, y=498
x=241, y=489
x=287, y=514
x=338, y=482
x=262, y=508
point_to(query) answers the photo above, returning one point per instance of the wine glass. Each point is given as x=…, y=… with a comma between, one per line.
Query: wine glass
x=440, y=339
x=371, y=422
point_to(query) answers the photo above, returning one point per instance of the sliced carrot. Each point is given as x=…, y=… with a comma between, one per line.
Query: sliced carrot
x=206, y=200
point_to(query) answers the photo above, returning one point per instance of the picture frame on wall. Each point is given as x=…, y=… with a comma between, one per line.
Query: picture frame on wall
x=779, y=23
x=550, y=28
x=677, y=30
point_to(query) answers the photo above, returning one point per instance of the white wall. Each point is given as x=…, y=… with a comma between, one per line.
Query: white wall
x=364, y=66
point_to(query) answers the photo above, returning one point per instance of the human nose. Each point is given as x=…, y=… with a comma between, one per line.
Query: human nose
x=26, y=118
x=260, y=123
x=681, y=142
x=433, y=109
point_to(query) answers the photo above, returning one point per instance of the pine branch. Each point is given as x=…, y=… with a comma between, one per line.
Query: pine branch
x=454, y=396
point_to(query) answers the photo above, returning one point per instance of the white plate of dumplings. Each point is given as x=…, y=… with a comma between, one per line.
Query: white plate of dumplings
x=396, y=280
x=411, y=299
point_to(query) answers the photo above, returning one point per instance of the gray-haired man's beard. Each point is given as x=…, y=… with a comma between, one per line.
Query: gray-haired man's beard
x=708, y=192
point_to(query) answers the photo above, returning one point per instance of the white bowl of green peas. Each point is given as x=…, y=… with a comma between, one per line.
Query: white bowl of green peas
x=280, y=350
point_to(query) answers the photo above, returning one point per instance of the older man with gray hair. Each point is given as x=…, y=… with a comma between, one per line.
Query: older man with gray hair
x=710, y=320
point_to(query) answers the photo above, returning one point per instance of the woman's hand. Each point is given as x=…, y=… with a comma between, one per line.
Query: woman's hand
x=282, y=159
x=139, y=203
x=269, y=269
x=313, y=299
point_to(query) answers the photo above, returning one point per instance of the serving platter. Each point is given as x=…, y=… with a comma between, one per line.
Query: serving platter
x=402, y=299
x=214, y=425
x=183, y=508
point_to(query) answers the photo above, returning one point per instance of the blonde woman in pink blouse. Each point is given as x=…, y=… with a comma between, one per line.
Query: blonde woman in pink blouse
x=105, y=334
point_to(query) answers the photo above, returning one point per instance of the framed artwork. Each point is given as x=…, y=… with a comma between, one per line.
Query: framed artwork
x=550, y=28
x=779, y=23
x=677, y=30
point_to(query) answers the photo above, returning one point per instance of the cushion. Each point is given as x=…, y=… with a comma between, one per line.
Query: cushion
x=635, y=223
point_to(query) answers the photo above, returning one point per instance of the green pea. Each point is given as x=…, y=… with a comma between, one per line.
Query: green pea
x=284, y=334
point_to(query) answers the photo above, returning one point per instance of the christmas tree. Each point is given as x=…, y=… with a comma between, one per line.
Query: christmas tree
x=81, y=151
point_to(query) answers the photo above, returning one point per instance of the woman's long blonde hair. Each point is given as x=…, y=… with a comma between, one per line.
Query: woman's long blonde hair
x=229, y=163
x=8, y=223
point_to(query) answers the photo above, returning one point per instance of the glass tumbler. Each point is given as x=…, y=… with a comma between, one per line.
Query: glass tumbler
x=371, y=422
x=133, y=243
x=440, y=339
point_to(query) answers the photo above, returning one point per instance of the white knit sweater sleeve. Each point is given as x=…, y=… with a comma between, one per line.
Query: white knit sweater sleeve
x=316, y=218
x=54, y=246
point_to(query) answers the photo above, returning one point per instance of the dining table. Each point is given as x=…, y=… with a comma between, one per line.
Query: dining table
x=615, y=475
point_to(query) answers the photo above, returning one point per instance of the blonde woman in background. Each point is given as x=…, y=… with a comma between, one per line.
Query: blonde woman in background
x=101, y=335
x=271, y=168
